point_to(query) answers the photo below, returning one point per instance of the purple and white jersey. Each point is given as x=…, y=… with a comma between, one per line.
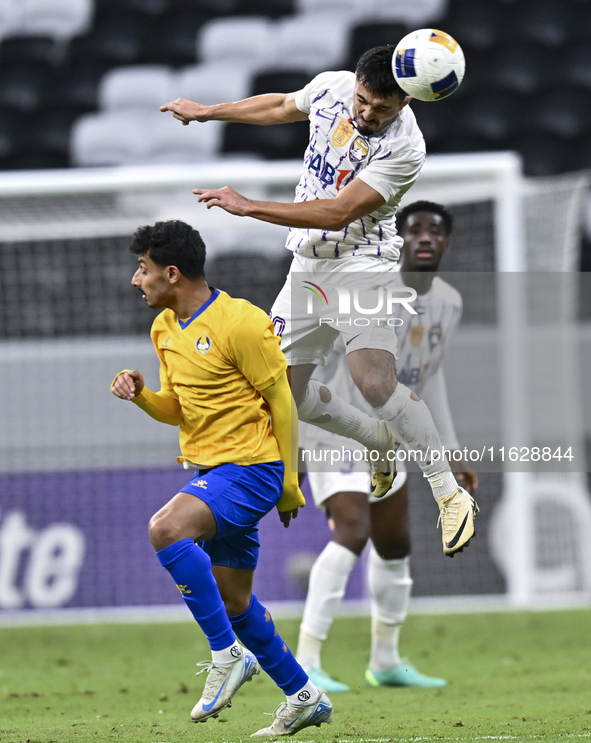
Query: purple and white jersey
x=423, y=340
x=389, y=162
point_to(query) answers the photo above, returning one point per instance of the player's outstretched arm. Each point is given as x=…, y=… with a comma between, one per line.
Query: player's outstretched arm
x=284, y=420
x=129, y=385
x=264, y=110
x=356, y=200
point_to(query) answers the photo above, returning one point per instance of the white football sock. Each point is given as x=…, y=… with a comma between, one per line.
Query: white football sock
x=390, y=586
x=345, y=419
x=411, y=423
x=328, y=581
x=308, y=694
x=228, y=655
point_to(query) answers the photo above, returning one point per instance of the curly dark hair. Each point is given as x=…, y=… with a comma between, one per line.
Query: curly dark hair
x=172, y=243
x=374, y=70
x=425, y=206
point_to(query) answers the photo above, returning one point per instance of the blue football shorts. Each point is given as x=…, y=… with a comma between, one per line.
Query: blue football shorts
x=239, y=496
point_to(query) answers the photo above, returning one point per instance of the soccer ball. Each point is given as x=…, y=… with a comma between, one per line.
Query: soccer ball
x=428, y=64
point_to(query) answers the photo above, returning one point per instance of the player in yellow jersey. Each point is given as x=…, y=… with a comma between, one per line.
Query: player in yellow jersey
x=223, y=381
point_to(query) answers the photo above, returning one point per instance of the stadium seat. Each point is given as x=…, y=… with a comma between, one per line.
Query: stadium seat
x=544, y=22
x=312, y=41
x=77, y=86
x=563, y=113
x=493, y=116
x=287, y=81
x=520, y=68
x=107, y=138
x=247, y=40
x=576, y=66
x=12, y=17
x=23, y=85
x=149, y=7
x=478, y=25
x=413, y=13
x=364, y=36
x=269, y=8
x=172, y=40
x=543, y=155
x=213, y=83
x=9, y=121
x=280, y=142
x=48, y=131
x=435, y=121
x=167, y=141
x=147, y=86
x=41, y=49
x=61, y=19
x=133, y=137
x=114, y=40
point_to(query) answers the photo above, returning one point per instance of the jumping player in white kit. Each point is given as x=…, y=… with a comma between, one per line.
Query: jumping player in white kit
x=354, y=515
x=365, y=152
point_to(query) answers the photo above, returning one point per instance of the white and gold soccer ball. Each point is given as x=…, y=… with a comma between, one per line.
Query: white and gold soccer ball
x=428, y=64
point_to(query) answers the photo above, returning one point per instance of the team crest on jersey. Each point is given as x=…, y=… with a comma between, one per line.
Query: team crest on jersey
x=342, y=134
x=203, y=344
x=359, y=150
x=434, y=334
x=416, y=335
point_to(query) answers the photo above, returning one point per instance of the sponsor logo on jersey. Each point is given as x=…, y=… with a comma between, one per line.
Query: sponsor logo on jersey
x=278, y=325
x=184, y=590
x=417, y=333
x=201, y=484
x=359, y=150
x=165, y=344
x=203, y=344
x=342, y=134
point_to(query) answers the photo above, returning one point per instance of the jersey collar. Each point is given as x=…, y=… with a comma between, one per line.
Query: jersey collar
x=214, y=296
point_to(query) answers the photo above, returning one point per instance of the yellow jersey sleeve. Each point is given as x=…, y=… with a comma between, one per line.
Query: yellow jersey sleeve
x=256, y=349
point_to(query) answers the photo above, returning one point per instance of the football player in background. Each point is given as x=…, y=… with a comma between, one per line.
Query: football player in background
x=356, y=516
x=223, y=381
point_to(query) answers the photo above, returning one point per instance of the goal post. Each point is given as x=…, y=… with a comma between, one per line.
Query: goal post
x=66, y=307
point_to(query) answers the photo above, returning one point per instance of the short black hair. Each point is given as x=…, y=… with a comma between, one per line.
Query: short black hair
x=374, y=70
x=172, y=243
x=425, y=206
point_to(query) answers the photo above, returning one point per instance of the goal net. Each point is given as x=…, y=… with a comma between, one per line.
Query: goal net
x=81, y=472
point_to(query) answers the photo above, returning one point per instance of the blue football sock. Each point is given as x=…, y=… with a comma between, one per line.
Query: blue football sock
x=190, y=567
x=255, y=629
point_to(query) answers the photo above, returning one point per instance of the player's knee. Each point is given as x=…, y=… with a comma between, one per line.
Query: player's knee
x=236, y=604
x=162, y=532
x=375, y=389
x=395, y=549
x=351, y=535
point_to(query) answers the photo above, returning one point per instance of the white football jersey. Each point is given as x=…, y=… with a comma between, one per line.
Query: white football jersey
x=389, y=162
x=423, y=340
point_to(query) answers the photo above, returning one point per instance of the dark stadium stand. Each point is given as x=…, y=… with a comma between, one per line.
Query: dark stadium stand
x=528, y=85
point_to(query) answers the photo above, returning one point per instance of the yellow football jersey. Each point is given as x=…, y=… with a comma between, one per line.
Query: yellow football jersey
x=216, y=363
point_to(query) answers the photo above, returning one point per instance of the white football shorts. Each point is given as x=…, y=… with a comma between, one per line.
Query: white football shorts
x=308, y=312
x=325, y=484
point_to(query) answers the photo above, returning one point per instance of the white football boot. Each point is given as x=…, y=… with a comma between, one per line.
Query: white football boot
x=223, y=681
x=289, y=719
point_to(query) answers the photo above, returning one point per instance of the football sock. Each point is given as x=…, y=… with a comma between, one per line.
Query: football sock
x=390, y=586
x=343, y=418
x=255, y=629
x=227, y=655
x=308, y=694
x=328, y=580
x=190, y=568
x=411, y=423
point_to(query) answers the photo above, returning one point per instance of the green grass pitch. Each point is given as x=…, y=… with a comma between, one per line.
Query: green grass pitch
x=512, y=676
